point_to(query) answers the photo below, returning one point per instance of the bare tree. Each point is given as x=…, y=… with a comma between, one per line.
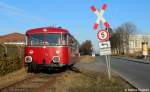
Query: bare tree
x=120, y=38
x=128, y=29
x=145, y=38
x=86, y=48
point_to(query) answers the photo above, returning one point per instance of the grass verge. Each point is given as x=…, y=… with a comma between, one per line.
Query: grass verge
x=90, y=82
x=86, y=59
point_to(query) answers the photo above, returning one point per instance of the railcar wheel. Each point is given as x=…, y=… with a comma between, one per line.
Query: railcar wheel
x=70, y=66
x=29, y=69
x=35, y=69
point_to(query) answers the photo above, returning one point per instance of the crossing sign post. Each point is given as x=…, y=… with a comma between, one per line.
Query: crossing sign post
x=103, y=35
x=105, y=49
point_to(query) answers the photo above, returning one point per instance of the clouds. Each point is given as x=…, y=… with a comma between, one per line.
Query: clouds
x=18, y=13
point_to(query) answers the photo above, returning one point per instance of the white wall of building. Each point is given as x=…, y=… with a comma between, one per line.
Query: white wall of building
x=135, y=42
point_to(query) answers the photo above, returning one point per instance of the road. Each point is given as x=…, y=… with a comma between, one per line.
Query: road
x=137, y=74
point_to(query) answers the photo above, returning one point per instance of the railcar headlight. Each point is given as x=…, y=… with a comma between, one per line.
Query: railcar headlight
x=56, y=59
x=31, y=51
x=57, y=52
x=28, y=59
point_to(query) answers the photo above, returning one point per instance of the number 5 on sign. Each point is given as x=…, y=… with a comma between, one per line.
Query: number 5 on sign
x=103, y=35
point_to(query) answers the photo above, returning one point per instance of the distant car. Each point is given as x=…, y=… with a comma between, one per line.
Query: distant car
x=93, y=54
x=97, y=55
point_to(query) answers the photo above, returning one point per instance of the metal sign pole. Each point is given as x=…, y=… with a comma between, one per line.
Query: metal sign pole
x=108, y=66
x=106, y=62
x=105, y=49
x=109, y=74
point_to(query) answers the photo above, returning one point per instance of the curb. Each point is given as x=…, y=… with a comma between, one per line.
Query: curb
x=134, y=60
x=126, y=80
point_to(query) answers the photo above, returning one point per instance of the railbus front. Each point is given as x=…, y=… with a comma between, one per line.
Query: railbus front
x=50, y=48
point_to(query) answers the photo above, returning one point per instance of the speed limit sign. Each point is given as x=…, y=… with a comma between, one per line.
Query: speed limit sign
x=103, y=35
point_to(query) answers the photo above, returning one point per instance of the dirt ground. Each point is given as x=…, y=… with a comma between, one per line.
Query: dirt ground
x=13, y=77
x=75, y=81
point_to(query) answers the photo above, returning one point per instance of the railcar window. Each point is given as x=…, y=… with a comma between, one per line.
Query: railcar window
x=70, y=41
x=52, y=39
x=36, y=39
x=64, y=39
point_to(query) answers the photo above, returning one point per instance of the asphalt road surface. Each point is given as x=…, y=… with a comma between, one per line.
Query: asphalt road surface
x=136, y=73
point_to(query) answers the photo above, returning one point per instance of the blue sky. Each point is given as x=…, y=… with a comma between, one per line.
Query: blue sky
x=74, y=15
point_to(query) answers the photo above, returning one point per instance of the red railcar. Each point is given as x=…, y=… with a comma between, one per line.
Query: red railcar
x=50, y=47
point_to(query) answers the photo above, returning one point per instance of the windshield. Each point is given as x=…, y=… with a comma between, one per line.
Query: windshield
x=36, y=39
x=45, y=39
x=52, y=39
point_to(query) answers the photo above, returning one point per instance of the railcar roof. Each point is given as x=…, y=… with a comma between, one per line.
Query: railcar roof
x=47, y=30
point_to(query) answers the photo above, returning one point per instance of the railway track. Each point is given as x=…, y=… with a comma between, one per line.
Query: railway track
x=36, y=83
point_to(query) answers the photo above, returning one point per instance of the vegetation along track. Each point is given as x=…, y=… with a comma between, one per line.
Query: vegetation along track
x=36, y=83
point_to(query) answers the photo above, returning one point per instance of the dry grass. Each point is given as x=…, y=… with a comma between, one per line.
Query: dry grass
x=89, y=82
x=87, y=59
x=70, y=81
x=13, y=77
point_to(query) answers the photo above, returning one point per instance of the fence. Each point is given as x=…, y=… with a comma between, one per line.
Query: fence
x=11, y=57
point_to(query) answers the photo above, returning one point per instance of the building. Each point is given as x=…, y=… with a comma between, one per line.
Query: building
x=15, y=43
x=135, y=42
